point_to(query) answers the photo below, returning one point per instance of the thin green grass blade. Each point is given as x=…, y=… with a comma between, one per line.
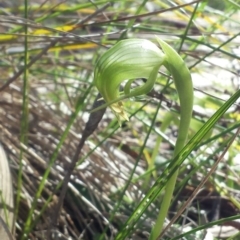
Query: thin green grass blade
x=208, y=225
x=188, y=26
x=25, y=113
x=173, y=166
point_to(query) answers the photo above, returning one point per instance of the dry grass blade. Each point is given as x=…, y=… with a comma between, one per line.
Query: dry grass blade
x=7, y=201
x=4, y=232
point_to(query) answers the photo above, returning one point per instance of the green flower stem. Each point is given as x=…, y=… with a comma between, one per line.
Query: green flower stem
x=138, y=58
x=167, y=120
x=183, y=82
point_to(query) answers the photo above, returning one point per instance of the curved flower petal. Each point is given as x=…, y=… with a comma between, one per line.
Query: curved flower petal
x=127, y=60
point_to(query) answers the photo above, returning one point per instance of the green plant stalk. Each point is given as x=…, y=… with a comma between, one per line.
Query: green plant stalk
x=5, y=210
x=134, y=58
x=25, y=113
x=183, y=83
x=165, y=124
x=230, y=162
x=132, y=21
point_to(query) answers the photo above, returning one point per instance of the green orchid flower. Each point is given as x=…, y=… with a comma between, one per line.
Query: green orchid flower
x=138, y=58
x=127, y=60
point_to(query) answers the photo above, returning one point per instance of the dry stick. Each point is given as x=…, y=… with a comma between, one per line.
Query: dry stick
x=20, y=72
x=44, y=51
x=145, y=14
x=190, y=199
x=90, y=127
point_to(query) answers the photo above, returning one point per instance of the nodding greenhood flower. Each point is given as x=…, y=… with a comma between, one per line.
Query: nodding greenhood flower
x=127, y=60
x=136, y=58
x=130, y=59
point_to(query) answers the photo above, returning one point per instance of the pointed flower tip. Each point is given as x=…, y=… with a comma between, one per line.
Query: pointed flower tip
x=118, y=110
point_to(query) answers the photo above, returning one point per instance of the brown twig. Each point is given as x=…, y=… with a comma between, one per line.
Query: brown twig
x=145, y=14
x=20, y=72
x=90, y=127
